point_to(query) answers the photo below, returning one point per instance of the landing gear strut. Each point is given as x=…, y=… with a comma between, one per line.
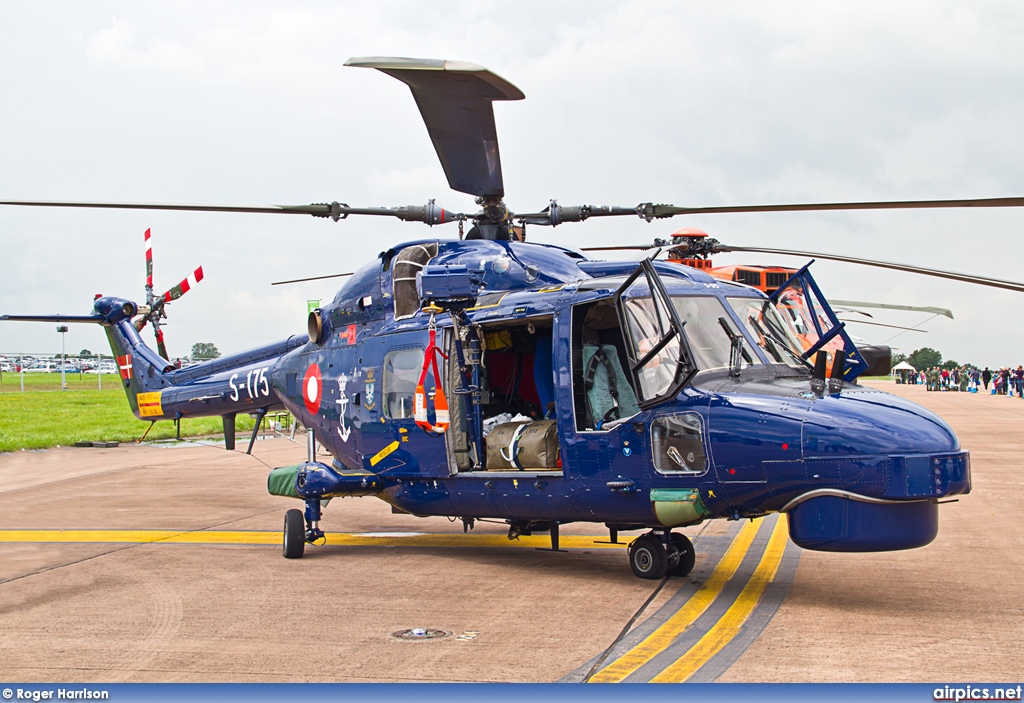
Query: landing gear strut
x=655, y=554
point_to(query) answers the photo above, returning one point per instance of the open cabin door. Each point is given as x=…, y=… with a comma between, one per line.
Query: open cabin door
x=659, y=356
x=810, y=318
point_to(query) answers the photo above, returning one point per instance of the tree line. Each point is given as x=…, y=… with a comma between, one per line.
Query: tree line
x=926, y=358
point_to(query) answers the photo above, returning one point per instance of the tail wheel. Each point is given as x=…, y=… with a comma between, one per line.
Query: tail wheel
x=647, y=557
x=687, y=555
x=294, y=534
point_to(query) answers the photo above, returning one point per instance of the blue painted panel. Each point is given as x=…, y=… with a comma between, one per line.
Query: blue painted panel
x=783, y=472
x=747, y=430
x=918, y=474
x=834, y=524
x=426, y=498
x=862, y=423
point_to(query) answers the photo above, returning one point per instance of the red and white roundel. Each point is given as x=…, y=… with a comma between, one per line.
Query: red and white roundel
x=312, y=388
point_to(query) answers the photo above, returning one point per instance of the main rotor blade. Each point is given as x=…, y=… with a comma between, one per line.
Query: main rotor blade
x=879, y=324
x=649, y=210
x=622, y=247
x=556, y=214
x=311, y=278
x=964, y=277
x=430, y=213
x=889, y=306
x=52, y=318
x=455, y=99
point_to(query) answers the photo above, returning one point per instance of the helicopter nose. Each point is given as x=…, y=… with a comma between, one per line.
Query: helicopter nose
x=877, y=464
x=863, y=423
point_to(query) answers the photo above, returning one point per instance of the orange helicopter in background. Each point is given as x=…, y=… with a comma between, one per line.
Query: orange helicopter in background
x=801, y=306
x=792, y=301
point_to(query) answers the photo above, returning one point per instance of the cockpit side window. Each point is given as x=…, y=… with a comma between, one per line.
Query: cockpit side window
x=648, y=325
x=677, y=442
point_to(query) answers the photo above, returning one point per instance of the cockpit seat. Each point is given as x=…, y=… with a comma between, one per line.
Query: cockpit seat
x=609, y=395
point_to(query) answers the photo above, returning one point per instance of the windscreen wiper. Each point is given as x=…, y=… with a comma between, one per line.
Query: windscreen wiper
x=736, y=351
x=777, y=345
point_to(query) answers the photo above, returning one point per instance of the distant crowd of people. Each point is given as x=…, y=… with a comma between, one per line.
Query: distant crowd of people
x=1004, y=381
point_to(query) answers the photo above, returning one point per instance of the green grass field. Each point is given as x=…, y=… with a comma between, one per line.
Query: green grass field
x=44, y=416
x=11, y=382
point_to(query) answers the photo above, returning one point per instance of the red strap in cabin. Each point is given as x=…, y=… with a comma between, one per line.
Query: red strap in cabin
x=420, y=400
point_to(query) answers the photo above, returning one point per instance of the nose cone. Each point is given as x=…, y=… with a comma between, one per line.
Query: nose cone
x=861, y=422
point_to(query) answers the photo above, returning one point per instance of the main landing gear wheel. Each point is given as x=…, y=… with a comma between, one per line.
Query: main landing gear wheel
x=647, y=557
x=294, y=534
x=687, y=556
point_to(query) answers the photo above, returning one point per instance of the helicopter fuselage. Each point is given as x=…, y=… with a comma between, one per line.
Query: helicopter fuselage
x=580, y=390
x=859, y=469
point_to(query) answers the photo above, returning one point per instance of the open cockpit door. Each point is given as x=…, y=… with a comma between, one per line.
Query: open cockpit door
x=810, y=318
x=660, y=360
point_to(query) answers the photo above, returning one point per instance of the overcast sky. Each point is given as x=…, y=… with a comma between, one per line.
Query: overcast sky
x=676, y=102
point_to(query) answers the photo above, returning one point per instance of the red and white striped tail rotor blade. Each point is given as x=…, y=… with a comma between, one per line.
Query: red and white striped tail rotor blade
x=149, y=260
x=185, y=286
x=160, y=347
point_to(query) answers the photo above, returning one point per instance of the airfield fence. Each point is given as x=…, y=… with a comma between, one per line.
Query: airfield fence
x=17, y=365
x=279, y=421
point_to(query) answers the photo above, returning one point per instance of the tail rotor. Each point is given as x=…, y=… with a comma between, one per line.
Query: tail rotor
x=155, y=309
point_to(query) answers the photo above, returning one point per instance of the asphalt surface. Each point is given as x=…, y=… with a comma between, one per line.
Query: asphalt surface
x=155, y=563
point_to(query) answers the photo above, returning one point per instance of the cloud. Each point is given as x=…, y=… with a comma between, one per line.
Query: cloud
x=116, y=46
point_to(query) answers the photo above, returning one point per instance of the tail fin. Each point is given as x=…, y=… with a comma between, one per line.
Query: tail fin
x=142, y=370
x=157, y=390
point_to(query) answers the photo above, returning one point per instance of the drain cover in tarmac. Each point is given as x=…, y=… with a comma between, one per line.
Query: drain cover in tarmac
x=421, y=633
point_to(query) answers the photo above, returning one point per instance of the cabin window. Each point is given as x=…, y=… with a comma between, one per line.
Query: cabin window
x=402, y=369
x=678, y=444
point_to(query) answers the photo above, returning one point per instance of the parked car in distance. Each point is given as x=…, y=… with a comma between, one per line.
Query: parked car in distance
x=42, y=367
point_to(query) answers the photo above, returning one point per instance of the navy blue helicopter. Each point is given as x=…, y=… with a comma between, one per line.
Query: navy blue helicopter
x=491, y=377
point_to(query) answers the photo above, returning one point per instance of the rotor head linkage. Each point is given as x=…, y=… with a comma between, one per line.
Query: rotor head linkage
x=431, y=213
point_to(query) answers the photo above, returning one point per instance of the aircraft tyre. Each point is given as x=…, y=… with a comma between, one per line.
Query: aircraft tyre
x=647, y=557
x=687, y=556
x=294, y=534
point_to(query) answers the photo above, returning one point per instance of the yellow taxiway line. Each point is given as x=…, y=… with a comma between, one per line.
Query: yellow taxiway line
x=379, y=539
x=665, y=635
x=728, y=626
